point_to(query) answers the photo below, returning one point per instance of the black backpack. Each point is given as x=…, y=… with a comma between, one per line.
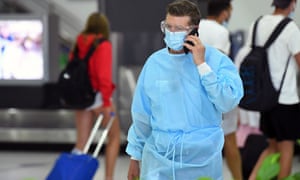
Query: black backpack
x=259, y=92
x=74, y=86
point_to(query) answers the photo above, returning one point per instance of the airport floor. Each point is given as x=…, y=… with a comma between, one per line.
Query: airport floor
x=33, y=165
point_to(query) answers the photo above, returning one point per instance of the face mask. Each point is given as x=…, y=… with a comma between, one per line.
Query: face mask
x=174, y=40
x=225, y=24
x=292, y=14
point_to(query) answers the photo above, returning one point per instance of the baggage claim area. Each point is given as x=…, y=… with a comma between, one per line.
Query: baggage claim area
x=34, y=129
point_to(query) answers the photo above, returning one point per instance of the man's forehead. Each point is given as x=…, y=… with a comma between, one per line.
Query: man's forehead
x=178, y=20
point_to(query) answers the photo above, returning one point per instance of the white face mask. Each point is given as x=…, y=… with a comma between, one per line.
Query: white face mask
x=175, y=40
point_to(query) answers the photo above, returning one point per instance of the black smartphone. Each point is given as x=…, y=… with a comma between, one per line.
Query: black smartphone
x=193, y=32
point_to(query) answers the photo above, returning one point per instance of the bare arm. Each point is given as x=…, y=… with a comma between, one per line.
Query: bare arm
x=297, y=57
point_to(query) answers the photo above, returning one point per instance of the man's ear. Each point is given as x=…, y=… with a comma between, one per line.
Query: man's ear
x=224, y=14
x=293, y=6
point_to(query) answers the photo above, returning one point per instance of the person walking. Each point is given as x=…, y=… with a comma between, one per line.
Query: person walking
x=213, y=31
x=100, y=72
x=281, y=125
x=177, y=107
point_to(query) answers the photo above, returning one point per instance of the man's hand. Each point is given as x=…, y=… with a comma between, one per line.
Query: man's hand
x=134, y=170
x=198, y=49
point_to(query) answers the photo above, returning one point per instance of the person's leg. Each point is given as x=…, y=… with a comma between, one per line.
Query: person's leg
x=286, y=150
x=233, y=156
x=112, y=149
x=83, y=122
x=231, y=151
x=272, y=148
x=288, y=128
x=113, y=143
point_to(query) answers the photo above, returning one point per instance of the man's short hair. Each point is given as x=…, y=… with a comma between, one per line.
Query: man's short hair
x=215, y=7
x=185, y=8
x=282, y=4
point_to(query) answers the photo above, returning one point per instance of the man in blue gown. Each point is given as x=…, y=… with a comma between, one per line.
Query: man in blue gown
x=178, y=103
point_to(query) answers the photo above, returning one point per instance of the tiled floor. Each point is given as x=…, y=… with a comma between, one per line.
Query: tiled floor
x=36, y=165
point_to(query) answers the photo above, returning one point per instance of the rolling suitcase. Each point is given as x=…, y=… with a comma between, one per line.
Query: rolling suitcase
x=70, y=166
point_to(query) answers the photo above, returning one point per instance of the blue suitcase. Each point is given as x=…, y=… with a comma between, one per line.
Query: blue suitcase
x=70, y=166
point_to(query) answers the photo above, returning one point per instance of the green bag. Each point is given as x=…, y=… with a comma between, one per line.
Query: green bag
x=269, y=168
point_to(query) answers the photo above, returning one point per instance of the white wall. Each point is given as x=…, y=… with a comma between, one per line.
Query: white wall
x=73, y=15
x=79, y=8
x=243, y=14
x=246, y=11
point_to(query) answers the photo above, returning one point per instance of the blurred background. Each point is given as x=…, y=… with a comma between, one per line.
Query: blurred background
x=29, y=110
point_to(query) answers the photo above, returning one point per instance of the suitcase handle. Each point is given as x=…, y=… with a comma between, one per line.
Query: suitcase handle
x=93, y=133
x=103, y=136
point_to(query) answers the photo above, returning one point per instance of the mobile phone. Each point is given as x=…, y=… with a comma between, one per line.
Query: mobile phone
x=193, y=32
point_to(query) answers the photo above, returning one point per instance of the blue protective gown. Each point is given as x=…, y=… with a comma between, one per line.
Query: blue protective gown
x=176, y=130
